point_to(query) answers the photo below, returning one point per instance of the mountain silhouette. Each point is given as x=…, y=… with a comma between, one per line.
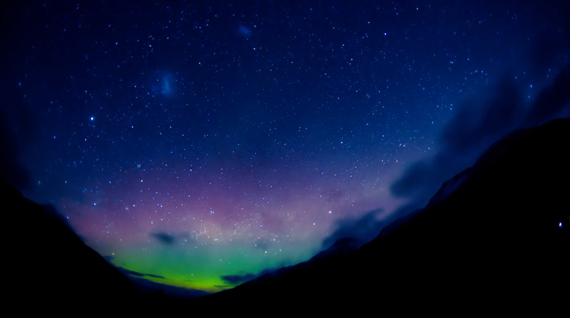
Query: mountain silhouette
x=494, y=237
x=50, y=268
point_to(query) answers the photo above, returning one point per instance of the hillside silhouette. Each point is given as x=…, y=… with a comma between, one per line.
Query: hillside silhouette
x=494, y=237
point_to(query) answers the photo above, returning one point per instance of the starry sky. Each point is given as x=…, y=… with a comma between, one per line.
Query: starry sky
x=200, y=143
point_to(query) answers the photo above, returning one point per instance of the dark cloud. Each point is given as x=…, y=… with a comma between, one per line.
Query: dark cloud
x=262, y=244
x=477, y=124
x=129, y=272
x=153, y=287
x=238, y=279
x=244, y=277
x=164, y=238
x=172, y=291
x=362, y=229
x=474, y=128
x=155, y=276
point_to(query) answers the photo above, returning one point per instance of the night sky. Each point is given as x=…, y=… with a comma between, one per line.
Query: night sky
x=203, y=142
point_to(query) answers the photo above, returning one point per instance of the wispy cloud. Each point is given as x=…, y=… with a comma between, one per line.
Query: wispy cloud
x=138, y=274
